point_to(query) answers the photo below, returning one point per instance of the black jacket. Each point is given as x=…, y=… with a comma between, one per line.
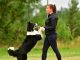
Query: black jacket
x=51, y=23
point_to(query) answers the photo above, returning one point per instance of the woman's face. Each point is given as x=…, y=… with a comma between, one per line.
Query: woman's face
x=48, y=10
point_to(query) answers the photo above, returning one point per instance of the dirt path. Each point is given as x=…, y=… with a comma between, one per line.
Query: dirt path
x=64, y=58
x=54, y=58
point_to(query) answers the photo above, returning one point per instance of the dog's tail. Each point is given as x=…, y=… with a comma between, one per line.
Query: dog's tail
x=12, y=52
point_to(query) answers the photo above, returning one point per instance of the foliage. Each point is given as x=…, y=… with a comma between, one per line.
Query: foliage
x=63, y=31
x=69, y=22
x=14, y=15
x=74, y=18
x=13, y=20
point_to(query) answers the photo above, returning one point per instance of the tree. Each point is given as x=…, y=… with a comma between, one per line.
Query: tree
x=73, y=19
x=13, y=20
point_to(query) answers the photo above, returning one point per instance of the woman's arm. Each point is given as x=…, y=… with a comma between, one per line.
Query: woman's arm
x=53, y=22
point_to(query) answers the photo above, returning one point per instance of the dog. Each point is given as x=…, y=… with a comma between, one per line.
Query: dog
x=32, y=37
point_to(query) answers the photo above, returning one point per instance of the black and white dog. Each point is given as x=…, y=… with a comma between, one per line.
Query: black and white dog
x=30, y=41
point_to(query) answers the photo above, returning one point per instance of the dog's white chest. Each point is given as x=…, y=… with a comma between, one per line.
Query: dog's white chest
x=33, y=33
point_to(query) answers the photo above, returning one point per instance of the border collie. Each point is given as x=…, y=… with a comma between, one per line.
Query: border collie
x=32, y=37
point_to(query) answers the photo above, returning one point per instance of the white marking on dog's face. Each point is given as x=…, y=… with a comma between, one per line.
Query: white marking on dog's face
x=11, y=48
x=36, y=24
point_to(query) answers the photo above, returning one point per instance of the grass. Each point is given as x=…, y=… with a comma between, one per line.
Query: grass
x=35, y=54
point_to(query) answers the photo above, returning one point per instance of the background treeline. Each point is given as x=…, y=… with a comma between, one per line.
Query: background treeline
x=14, y=15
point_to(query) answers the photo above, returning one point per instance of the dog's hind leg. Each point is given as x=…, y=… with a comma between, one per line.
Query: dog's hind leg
x=13, y=53
x=22, y=57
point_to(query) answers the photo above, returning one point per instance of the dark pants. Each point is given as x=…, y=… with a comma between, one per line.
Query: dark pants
x=50, y=40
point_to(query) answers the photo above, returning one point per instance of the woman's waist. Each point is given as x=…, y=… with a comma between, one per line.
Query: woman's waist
x=50, y=32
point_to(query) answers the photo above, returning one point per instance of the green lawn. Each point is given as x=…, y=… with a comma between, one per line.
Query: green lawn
x=35, y=54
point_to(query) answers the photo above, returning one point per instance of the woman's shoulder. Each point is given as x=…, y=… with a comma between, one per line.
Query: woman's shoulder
x=55, y=15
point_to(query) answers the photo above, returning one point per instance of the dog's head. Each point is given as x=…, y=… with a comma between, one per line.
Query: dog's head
x=31, y=26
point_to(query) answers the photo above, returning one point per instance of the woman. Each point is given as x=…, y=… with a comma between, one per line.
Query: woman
x=50, y=32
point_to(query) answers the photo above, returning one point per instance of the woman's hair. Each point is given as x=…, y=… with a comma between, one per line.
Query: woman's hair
x=53, y=7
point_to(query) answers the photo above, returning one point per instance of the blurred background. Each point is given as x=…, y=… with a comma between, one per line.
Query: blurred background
x=14, y=15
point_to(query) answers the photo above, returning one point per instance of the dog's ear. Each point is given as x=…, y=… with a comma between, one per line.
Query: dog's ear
x=29, y=22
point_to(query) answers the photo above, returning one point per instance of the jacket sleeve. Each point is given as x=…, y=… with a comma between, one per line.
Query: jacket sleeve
x=53, y=23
